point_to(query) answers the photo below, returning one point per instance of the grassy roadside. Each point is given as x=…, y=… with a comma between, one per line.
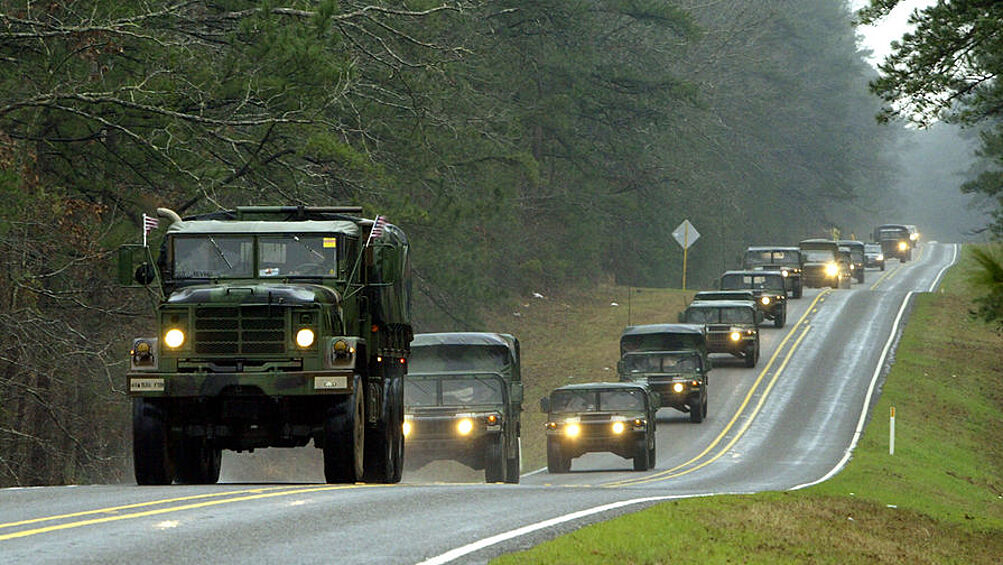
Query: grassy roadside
x=939, y=499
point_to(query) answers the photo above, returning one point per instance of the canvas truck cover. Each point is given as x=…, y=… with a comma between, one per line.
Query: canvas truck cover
x=663, y=337
x=464, y=351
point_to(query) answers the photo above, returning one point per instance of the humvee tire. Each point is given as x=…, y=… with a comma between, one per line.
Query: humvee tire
x=557, y=462
x=494, y=460
x=651, y=455
x=781, y=318
x=345, y=438
x=152, y=453
x=641, y=454
x=698, y=410
x=513, y=465
x=751, y=355
x=799, y=289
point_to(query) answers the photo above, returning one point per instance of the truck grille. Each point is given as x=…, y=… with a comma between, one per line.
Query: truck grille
x=718, y=340
x=235, y=330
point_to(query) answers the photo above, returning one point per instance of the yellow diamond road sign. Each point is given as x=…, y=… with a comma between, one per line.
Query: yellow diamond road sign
x=685, y=234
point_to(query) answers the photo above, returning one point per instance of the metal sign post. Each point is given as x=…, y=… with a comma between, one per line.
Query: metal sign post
x=686, y=235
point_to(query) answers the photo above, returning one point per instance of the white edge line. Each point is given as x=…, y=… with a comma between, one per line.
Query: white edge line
x=505, y=536
x=874, y=379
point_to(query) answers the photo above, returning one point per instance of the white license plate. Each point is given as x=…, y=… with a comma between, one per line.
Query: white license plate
x=330, y=383
x=146, y=385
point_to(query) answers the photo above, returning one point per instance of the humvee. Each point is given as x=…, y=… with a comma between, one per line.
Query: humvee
x=276, y=325
x=787, y=260
x=661, y=355
x=769, y=288
x=896, y=241
x=598, y=417
x=823, y=264
x=857, y=257
x=873, y=256
x=732, y=327
x=462, y=402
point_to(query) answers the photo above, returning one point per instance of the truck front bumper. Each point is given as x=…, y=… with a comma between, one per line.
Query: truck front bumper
x=272, y=383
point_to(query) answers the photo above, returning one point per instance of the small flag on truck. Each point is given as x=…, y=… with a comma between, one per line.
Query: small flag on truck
x=149, y=224
x=378, y=224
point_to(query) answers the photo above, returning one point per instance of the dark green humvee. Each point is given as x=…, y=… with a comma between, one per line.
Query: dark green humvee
x=824, y=265
x=769, y=288
x=896, y=240
x=598, y=417
x=787, y=260
x=732, y=327
x=462, y=402
x=662, y=356
x=276, y=326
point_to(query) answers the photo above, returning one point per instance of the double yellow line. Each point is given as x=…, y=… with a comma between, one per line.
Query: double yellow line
x=112, y=513
x=801, y=329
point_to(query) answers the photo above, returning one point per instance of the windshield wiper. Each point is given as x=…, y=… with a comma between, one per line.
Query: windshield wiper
x=316, y=253
x=219, y=252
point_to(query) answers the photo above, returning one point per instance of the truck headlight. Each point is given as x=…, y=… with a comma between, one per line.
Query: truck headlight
x=903, y=246
x=174, y=338
x=735, y=336
x=465, y=426
x=305, y=337
x=881, y=257
x=831, y=269
x=678, y=387
x=572, y=430
x=407, y=428
x=765, y=300
x=784, y=273
x=618, y=428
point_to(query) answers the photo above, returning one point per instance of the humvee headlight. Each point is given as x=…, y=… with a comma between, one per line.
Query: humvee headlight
x=465, y=426
x=407, y=428
x=765, y=300
x=174, y=338
x=881, y=257
x=735, y=336
x=618, y=428
x=903, y=246
x=678, y=387
x=914, y=236
x=305, y=337
x=831, y=269
x=572, y=430
x=784, y=273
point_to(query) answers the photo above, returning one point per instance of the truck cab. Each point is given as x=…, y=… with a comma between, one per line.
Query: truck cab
x=672, y=360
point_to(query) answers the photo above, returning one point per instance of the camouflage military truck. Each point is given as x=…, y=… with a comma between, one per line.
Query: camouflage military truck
x=598, y=417
x=896, y=241
x=276, y=326
x=787, y=260
x=769, y=288
x=672, y=360
x=873, y=256
x=823, y=264
x=462, y=402
x=732, y=327
x=858, y=258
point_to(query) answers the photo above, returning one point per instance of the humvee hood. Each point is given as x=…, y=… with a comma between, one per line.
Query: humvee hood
x=255, y=293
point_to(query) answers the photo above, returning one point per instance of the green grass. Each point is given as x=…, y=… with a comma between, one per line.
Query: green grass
x=939, y=499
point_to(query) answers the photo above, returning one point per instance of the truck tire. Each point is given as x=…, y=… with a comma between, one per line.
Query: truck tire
x=799, y=289
x=345, y=437
x=751, y=355
x=641, y=454
x=860, y=276
x=385, y=443
x=494, y=460
x=698, y=410
x=781, y=318
x=198, y=462
x=652, y=460
x=557, y=462
x=152, y=454
x=513, y=465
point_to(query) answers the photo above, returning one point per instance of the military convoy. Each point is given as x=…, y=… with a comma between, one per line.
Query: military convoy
x=896, y=240
x=671, y=359
x=732, y=326
x=462, y=402
x=768, y=287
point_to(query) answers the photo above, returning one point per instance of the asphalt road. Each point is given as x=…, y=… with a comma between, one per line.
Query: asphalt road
x=787, y=423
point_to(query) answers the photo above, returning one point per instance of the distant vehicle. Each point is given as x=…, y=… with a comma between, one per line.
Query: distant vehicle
x=913, y=234
x=462, y=402
x=823, y=264
x=856, y=257
x=873, y=256
x=896, y=241
x=732, y=327
x=787, y=260
x=769, y=288
x=600, y=417
x=666, y=354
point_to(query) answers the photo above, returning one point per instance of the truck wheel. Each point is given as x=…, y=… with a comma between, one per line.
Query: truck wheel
x=385, y=444
x=345, y=438
x=751, y=356
x=641, y=454
x=494, y=460
x=781, y=318
x=697, y=408
x=651, y=456
x=882, y=266
x=513, y=465
x=860, y=276
x=198, y=462
x=557, y=462
x=799, y=289
x=151, y=453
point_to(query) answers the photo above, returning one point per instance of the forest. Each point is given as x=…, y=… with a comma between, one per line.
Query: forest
x=523, y=146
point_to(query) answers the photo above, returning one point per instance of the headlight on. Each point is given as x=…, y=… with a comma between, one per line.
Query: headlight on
x=618, y=428
x=639, y=422
x=572, y=430
x=903, y=246
x=881, y=257
x=465, y=426
x=407, y=428
x=765, y=300
x=784, y=273
x=304, y=338
x=493, y=420
x=735, y=336
x=831, y=269
x=678, y=387
x=914, y=236
x=174, y=338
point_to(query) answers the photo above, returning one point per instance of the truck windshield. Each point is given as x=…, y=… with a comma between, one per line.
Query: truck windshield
x=207, y=256
x=729, y=315
x=297, y=255
x=453, y=391
x=661, y=363
x=818, y=255
x=734, y=282
x=774, y=257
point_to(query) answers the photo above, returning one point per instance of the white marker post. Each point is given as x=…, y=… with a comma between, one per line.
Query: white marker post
x=891, y=433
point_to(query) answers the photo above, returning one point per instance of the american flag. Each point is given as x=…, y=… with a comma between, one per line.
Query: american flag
x=378, y=225
x=149, y=224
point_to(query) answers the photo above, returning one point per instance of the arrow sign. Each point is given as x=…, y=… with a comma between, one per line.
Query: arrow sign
x=685, y=234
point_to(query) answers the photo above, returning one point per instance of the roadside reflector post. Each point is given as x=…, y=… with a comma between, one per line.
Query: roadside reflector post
x=891, y=433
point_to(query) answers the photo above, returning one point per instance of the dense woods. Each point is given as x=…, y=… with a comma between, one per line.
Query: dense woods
x=524, y=146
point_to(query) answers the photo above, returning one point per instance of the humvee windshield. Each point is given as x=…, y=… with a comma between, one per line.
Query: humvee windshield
x=444, y=358
x=818, y=255
x=209, y=256
x=596, y=401
x=683, y=362
x=661, y=342
x=726, y=315
x=453, y=391
x=789, y=258
x=893, y=233
x=766, y=282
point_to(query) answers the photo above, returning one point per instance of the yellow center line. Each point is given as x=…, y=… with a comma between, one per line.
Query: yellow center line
x=885, y=275
x=745, y=426
x=112, y=509
x=745, y=401
x=81, y=523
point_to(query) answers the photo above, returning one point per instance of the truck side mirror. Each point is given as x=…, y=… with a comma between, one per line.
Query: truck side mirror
x=135, y=265
x=145, y=274
x=545, y=405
